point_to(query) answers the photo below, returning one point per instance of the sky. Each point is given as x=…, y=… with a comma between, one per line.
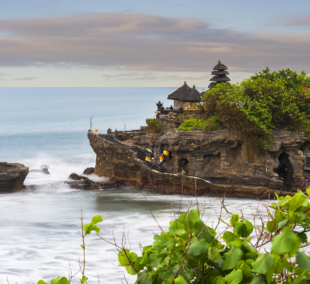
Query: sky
x=162, y=43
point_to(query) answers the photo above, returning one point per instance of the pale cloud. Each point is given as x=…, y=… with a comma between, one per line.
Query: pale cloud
x=295, y=21
x=25, y=79
x=145, y=43
x=151, y=76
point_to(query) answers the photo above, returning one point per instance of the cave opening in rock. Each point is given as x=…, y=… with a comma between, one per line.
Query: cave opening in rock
x=285, y=169
x=183, y=165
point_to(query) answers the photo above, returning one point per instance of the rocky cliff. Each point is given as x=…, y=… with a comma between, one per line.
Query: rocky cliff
x=212, y=163
x=12, y=176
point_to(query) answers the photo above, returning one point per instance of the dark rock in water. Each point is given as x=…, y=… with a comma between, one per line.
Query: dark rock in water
x=81, y=182
x=12, y=176
x=88, y=171
x=43, y=169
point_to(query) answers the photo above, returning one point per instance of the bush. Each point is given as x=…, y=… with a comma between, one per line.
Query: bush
x=153, y=126
x=192, y=252
x=256, y=106
x=200, y=123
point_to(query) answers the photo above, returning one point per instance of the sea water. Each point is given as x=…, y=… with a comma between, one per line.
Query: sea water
x=40, y=227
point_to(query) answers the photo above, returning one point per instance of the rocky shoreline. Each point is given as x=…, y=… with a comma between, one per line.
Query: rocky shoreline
x=124, y=164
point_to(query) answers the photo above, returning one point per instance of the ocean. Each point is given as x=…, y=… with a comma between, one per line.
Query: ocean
x=40, y=226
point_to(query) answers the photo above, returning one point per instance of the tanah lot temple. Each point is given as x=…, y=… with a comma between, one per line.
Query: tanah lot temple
x=187, y=99
x=213, y=163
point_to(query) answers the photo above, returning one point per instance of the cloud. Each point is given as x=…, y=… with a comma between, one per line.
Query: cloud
x=25, y=79
x=2, y=74
x=150, y=76
x=296, y=21
x=145, y=43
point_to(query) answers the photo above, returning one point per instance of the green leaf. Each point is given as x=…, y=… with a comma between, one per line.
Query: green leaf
x=180, y=280
x=228, y=237
x=41, y=282
x=190, y=219
x=244, y=228
x=96, y=219
x=64, y=280
x=258, y=280
x=198, y=247
x=203, y=232
x=234, y=219
x=231, y=258
x=296, y=201
x=214, y=254
x=272, y=226
x=235, y=276
x=285, y=242
x=176, y=227
x=125, y=257
x=55, y=280
x=82, y=246
x=144, y=278
x=308, y=191
x=270, y=273
x=263, y=263
x=84, y=279
x=303, y=260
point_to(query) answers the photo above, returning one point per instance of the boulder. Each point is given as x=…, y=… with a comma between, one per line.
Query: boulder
x=81, y=182
x=12, y=176
x=43, y=169
x=88, y=171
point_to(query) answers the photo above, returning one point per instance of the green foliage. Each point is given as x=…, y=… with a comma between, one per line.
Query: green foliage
x=200, y=123
x=190, y=252
x=88, y=228
x=153, y=126
x=56, y=280
x=256, y=106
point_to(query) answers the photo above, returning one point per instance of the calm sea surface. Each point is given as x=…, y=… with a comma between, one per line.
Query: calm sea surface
x=39, y=236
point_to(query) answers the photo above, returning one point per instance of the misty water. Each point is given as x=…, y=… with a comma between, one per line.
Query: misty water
x=40, y=226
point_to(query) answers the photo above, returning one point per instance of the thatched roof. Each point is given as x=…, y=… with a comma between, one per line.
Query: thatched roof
x=220, y=66
x=213, y=84
x=176, y=95
x=219, y=73
x=220, y=78
x=191, y=96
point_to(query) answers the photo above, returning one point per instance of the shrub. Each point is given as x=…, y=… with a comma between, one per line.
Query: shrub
x=153, y=126
x=256, y=106
x=192, y=252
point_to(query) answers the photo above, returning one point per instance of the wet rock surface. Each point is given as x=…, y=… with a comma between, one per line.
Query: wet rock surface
x=12, y=176
x=81, y=182
x=88, y=171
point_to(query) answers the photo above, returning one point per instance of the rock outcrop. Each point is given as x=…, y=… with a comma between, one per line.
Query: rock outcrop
x=88, y=171
x=204, y=163
x=12, y=176
x=80, y=182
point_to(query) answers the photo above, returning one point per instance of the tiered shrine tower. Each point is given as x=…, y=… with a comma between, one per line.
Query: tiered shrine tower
x=220, y=75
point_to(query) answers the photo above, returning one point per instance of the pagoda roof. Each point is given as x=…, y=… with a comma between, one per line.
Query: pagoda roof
x=191, y=95
x=220, y=78
x=213, y=84
x=176, y=95
x=220, y=66
x=222, y=72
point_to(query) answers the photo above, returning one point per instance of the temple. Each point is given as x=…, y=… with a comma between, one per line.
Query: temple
x=185, y=97
x=220, y=75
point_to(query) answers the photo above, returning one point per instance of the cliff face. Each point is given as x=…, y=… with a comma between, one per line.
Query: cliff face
x=12, y=176
x=212, y=163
